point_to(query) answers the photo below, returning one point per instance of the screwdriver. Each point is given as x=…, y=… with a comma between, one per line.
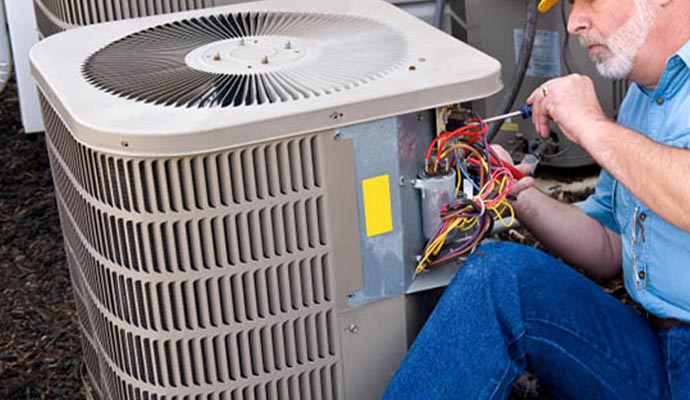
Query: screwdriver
x=525, y=112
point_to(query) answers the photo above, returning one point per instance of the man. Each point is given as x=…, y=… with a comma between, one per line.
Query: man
x=512, y=308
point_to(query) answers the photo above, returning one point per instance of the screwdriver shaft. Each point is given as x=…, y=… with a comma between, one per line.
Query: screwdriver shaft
x=524, y=112
x=503, y=116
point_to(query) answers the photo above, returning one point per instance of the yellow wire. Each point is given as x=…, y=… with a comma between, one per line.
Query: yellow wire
x=458, y=176
x=483, y=189
x=499, y=213
x=469, y=223
x=434, y=247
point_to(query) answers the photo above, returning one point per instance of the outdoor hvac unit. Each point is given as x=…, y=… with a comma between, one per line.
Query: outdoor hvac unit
x=53, y=16
x=235, y=191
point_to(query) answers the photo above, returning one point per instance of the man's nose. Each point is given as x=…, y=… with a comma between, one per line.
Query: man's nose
x=579, y=20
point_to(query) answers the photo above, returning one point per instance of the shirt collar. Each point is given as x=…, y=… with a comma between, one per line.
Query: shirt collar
x=677, y=67
x=684, y=53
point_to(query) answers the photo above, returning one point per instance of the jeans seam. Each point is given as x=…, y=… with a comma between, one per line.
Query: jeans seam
x=584, y=366
x=500, y=382
x=508, y=367
x=518, y=337
x=580, y=336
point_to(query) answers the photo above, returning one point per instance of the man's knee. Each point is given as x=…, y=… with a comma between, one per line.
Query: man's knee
x=501, y=259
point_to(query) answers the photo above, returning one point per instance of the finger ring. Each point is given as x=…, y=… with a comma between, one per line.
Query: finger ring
x=545, y=89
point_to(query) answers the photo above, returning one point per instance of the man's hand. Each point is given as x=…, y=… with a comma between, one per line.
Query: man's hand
x=571, y=102
x=524, y=183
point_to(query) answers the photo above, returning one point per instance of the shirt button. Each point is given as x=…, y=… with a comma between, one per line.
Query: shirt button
x=643, y=217
x=641, y=275
x=660, y=100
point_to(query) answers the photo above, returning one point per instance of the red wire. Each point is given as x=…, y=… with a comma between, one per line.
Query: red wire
x=517, y=174
x=469, y=130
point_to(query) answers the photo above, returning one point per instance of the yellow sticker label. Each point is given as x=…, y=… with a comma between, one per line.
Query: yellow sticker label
x=510, y=127
x=378, y=217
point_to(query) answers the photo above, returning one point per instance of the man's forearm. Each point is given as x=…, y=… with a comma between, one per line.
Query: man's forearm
x=652, y=172
x=571, y=234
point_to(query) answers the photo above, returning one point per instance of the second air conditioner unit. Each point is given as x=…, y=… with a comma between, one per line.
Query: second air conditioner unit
x=234, y=187
x=53, y=16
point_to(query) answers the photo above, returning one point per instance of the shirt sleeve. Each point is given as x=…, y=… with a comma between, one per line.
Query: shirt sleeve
x=600, y=204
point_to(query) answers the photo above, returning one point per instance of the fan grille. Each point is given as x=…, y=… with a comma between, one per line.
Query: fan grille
x=247, y=59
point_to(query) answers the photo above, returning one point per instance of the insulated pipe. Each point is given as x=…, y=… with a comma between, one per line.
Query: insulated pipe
x=5, y=54
x=520, y=67
x=438, y=13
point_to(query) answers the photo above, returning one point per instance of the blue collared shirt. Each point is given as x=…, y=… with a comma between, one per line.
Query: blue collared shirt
x=656, y=254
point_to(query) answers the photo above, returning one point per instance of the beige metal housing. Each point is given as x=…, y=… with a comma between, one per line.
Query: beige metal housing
x=436, y=69
x=212, y=249
x=54, y=16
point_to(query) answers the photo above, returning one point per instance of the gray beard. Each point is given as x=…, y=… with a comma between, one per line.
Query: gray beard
x=616, y=60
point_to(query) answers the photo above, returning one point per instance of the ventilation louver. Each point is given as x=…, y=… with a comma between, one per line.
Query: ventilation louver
x=210, y=210
x=240, y=59
x=54, y=16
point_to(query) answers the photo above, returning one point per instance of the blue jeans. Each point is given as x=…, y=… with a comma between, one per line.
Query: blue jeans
x=512, y=308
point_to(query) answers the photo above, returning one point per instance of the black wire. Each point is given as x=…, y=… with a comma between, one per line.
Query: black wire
x=529, y=32
x=566, y=40
x=487, y=233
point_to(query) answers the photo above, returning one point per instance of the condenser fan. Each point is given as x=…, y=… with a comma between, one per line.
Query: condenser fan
x=244, y=59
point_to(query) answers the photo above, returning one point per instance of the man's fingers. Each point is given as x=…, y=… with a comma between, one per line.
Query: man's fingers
x=544, y=127
x=502, y=153
x=526, y=168
x=521, y=185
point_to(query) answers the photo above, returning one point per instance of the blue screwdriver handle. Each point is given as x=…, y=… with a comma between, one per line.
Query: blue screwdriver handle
x=526, y=111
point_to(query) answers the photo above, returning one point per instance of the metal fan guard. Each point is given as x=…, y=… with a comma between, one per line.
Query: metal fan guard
x=247, y=59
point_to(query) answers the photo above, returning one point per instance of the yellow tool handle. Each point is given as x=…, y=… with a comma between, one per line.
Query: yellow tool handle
x=545, y=5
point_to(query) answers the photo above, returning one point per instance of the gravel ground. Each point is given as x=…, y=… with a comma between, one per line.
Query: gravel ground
x=40, y=352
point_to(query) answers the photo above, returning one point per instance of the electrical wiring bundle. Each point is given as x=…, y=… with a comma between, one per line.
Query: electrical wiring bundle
x=480, y=184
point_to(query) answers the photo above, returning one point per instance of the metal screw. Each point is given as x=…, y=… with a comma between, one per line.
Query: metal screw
x=216, y=56
x=336, y=137
x=264, y=60
x=352, y=328
x=336, y=115
x=402, y=181
x=288, y=45
x=124, y=143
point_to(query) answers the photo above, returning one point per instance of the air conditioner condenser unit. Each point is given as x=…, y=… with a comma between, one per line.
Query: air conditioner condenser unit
x=234, y=188
x=54, y=16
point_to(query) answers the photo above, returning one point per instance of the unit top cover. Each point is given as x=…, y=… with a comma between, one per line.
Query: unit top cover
x=228, y=76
